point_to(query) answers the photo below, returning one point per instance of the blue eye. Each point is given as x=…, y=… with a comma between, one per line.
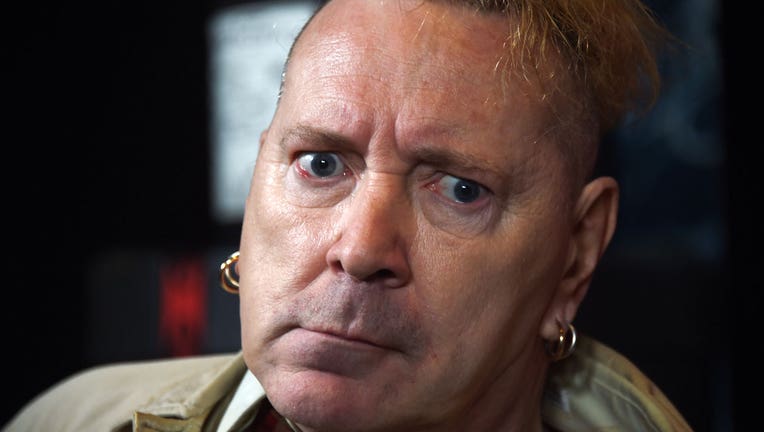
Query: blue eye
x=321, y=164
x=460, y=190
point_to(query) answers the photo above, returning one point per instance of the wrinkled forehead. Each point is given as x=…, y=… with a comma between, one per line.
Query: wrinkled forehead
x=416, y=22
x=455, y=37
x=424, y=44
x=440, y=60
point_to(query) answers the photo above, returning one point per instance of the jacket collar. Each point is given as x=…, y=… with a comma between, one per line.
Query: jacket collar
x=596, y=388
x=186, y=405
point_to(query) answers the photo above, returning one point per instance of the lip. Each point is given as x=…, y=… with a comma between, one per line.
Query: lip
x=328, y=351
x=344, y=338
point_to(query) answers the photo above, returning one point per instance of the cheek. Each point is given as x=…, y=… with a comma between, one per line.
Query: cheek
x=493, y=288
x=478, y=304
x=283, y=247
x=277, y=232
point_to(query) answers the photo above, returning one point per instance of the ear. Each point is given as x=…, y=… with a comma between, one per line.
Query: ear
x=595, y=215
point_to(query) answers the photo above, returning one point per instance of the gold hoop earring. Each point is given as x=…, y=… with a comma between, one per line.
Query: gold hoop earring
x=227, y=280
x=565, y=343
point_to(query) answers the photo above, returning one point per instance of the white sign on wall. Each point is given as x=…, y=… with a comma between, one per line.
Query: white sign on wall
x=248, y=46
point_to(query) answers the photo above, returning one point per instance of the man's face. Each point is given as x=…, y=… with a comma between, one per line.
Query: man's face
x=407, y=224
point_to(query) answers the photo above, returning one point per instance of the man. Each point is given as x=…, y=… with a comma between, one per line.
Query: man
x=421, y=228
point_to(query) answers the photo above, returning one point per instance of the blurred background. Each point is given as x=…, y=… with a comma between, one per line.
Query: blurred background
x=132, y=130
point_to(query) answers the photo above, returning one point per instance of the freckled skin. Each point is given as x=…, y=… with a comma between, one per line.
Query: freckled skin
x=371, y=300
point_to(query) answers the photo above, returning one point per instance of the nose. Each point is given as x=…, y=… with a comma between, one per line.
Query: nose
x=373, y=236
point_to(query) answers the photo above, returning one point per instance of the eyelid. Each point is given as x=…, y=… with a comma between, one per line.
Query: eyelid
x=462, y=219
x=437, y=187
x=303, y=167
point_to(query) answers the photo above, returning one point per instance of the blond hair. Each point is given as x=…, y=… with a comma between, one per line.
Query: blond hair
x=610, y=47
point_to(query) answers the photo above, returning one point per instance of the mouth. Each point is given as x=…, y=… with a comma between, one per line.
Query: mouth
x=344, y=338
x=333, y=352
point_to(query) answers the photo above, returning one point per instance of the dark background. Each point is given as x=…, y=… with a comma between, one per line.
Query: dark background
x=107, y=180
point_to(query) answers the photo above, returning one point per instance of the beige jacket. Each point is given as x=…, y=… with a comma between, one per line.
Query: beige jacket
x=596, y=389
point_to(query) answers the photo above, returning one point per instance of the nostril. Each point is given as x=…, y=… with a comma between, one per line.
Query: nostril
x=337, y=267
x=382, y=274
x=388, y=278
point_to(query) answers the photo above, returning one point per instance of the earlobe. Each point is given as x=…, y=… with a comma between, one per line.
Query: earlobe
x=594, y=223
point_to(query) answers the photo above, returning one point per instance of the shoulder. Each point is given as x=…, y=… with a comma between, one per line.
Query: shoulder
x=597, y=386
x=104, y=397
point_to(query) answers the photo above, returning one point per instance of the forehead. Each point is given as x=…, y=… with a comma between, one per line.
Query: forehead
x=425, y=67
x=414, y=24
x=427, y=45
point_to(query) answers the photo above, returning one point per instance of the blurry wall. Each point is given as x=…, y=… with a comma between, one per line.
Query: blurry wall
x=663, y=272
x=110, y=166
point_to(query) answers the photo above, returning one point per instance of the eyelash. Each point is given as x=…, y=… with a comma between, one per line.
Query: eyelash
x=444, y=186
x=304, y=165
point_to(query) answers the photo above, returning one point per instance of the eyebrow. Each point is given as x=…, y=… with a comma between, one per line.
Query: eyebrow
x=515, y=180
x=315, y=136
x=450, y=157
x=442, y=157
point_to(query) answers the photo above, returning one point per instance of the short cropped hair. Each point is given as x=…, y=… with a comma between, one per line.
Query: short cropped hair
x=610, y=47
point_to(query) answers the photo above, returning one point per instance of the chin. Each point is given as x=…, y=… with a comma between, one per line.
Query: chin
x=327, y=402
